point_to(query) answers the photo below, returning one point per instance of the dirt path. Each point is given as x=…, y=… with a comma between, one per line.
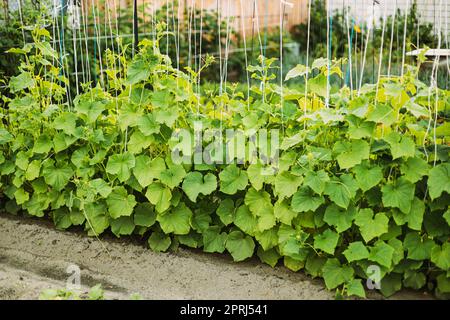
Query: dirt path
x=34, y=256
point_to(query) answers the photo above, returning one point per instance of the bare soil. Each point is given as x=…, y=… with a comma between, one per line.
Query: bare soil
x=34, y=256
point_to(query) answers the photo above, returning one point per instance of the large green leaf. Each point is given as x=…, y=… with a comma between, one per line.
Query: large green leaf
x=195, y=183
x=159, y=195
x=177, y=220
x=316, y=180
x=240, y=246
x=414, y=169
x=138, y=71
x=326, y=241
x=367, y=176
x=335, y=274
x=233, y=179
x=401, y=146
x=158, y=241
x=382, y=254
x=305, y=200
x=351, y=153
x=418, y=247
x=341, y=219
x=146, y=169
x=342, y=190
x=370, y=226
x=122, y=226
x=214, y=240
x=439, y=180
x=356, y=251
x=57, y=177
x=398, y=194
x=286, y=184
x=173, y=175
x=121, y=165
x=120, y=203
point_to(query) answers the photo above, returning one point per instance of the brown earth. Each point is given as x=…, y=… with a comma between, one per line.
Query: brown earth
x=34, y=256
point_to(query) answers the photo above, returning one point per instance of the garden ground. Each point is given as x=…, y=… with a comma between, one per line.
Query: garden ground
x=34, y=256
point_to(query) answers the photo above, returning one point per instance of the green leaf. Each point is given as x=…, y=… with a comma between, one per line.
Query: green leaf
x=443, y=283
x=21, y=196
x=356, y=251
x=326, y=241
x=305, y=200
x=121, y=165
x=439, y=180
x=340, y=218
x=259, y=202
x=419, y=248
x=316, y=180
x=382, y=254
x=254, y=172
x=5, y=136
x=144, y=215
x=245, y=220
x=226, y=211
x=213, y=240
x=240, y=246
x=370, y=226
x=122, y=226
x=166, y=116
x=367, y=176
x=342, y=190
x=159, y=242
x=283, y=212
x=43, y=144
x=401, y=146
x=268, y=238
x=61, y=218
x=146, y=169
x=138, y=71
x=398, y=194
x=270, y=257
x=195, y=183
x=176, y=220
x=91, y=109
x=138, y=142
x=390, y=284
x=100, y=187
x=358, y=128
x=351, y=153
x=334, y=274
x=233, y=179
x=286, y=184
x=382, y=114
x=21, y=82
x=159, y=195
x=415, y=216
x=440, y=256
x=173, y=175
x=355, y=288
x=413, y=169
x=414, y=279
x=298, y=71
x=120, y=203
x=148, y=125
x=57, y=177
x=33, y=170
x=97, y=219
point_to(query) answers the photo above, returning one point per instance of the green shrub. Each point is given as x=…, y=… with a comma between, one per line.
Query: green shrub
x=362, y=182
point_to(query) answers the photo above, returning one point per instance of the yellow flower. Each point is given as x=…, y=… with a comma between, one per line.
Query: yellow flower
x=357, y=29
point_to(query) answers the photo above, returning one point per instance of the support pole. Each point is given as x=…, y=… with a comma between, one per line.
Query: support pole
x=135, y=28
